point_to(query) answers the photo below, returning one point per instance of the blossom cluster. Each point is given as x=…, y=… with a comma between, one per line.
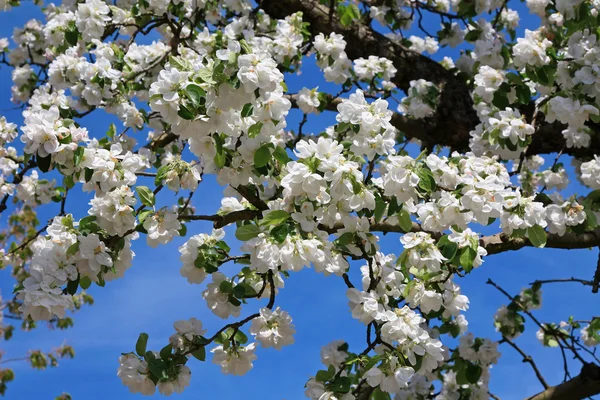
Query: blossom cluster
x=210, y=93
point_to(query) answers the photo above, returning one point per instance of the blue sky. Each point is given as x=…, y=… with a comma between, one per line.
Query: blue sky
x=153, y=295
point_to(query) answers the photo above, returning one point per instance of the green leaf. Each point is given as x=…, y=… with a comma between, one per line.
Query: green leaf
x=247, y=232
x=246, y=49
x=345, y=238
x=85, y=223
x=467, y=256
x=523, y=94
x=370, y=364
x=348, y=13
x=254, y=130
x=220, y=159
x=426, y=180
x=223, y=246
x=177, y=63
x=185, y=113
x=275, y=217
x=514, y=78
x=380, y=207
x=71, y=36
x=195, y=93
x=73, y=249
x=473, y=35
x=166, y=351
x=240, y=337
x=158, y=368
x=143, y=215
x=404, y=221
x=206, y=75
x=78, y=155
x=225, y=286
x=247, y=110
x=200, y=354
x=85, y=282
x=234, y=301
x=546, y=75
x=88, y=173
x=378, y=394
x=543, y=198
x=72, y=286
x=280, y=232
x=500, y=99
x=68, y=181
x=239, y=290
x=473, y=373
x=44, y=163
x=449, y=250
x=393, y=206
x=325, y=375
x=140, y=346
x=112, y=131
x=281, y=155
x=262, y=156
x=341, y=385
x=537, y=235
x=146, y=196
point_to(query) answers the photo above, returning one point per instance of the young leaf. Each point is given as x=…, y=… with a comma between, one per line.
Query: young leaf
x=467, y=256
x=85, y=282
x=280, y=232
x=185, y=113
x=71, y=36
x=78, y=156
x=473, y=373
x=262, y=156
x=537, y=235
x=247, y=110
x=165, y=352
x=73, y=249
x=44, y=163
x=379, y=209
x=140, y=346
x=146, y=196
x=72, y=286
x=275, y=218
x=345, y=238
x=449, y=250
x=254, y=130
x=195, y=93
x=404, y=221
x=247, y=232
x=200, y=354
x=281, y=155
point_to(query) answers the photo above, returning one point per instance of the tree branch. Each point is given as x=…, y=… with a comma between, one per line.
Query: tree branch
x=527, y=358
x=586, y=384
x=500, y=242
x=455, y=117
x=224, y=220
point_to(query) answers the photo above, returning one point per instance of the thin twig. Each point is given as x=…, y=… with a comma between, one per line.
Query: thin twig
x=526, y=358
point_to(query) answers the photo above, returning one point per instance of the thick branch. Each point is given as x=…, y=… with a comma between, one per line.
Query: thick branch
x=224, y=220
x=586, y=384
x=454, y=117
x=500, y=242
x=494, y=244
